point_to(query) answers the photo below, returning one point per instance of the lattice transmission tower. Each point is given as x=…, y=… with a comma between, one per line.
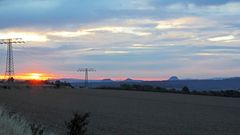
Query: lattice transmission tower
x=9, y=73
x=86, y=70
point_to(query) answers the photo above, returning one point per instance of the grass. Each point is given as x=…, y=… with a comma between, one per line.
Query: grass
x=13, y=124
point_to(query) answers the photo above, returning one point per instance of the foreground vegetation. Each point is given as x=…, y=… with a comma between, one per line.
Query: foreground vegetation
x=12, y=124
x=184, y=90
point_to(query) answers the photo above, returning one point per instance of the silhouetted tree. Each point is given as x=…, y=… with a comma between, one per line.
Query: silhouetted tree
x=58, y=84
x=185, y=89
x=126, y=87
x=10, y=79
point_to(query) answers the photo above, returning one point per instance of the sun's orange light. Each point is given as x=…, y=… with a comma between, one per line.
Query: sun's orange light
x=35, y=76
x=32, y=76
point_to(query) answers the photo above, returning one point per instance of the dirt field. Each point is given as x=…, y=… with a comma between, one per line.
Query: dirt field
x=128, y=112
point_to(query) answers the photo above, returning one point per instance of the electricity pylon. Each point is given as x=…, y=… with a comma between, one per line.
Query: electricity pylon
x=9, y=73
x=86, y=70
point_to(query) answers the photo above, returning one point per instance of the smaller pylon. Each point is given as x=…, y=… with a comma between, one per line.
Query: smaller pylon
x=86, y=70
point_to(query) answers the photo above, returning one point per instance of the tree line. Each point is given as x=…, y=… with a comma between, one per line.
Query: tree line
x=184, y=90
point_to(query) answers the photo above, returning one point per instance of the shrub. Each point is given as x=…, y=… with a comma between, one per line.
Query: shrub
x=5, y=87
x=125, y=87
x=77, y=125
x=59, y=84
x=185, y=89
x=137, y=87
x=37, y=129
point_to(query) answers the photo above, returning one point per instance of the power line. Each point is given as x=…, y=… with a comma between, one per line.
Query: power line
x=9, y=73
x=86, y=70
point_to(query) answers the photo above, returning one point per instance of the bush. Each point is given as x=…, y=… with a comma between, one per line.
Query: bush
x=185, y=89
x=137, y=87
x=126, y=87
x=59, y=84
x=5, y=87
x=37, y=129
x=77, y=125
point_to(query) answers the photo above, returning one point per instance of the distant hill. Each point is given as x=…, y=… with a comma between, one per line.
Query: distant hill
x=173, y=78
x=131, y=80
x=208, y=84
x=173, y=82
x=107, y=80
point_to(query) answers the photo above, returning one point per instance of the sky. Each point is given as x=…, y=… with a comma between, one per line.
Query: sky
x=140, y=39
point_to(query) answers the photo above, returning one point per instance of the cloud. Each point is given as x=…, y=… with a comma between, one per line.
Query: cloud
x=112, y=29
x=140, y=46
x=142, y=21
x=26, y=36
x=60, y=13
x=222, y=38
x=116, y=52
x=69, y=34
x=196, y=2
x=65, y=14
x=231, y=8
x=164, y=35
x=125, y=30
x=77, y=52
x=178, y=23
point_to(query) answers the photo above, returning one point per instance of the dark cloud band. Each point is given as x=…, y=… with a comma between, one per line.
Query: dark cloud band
x=196, y=2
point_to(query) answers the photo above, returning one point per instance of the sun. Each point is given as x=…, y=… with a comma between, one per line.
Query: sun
x=35, y=76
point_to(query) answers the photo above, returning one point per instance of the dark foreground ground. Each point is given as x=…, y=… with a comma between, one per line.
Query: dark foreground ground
x=129, y=112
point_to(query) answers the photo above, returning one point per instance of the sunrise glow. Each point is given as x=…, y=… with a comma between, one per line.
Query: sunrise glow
x=35, y=76
x=32, y=76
